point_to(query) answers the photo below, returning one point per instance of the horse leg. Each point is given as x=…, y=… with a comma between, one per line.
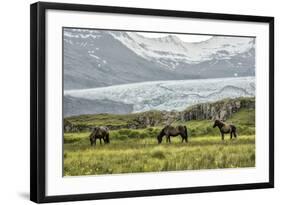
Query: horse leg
x=100, y=141
x=222, y=136
x=107, y=139
x=183, y=138
x=235, y=135
x=169, y=138
x=231, y=135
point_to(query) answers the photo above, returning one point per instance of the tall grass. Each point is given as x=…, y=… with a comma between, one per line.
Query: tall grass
x=145, y=155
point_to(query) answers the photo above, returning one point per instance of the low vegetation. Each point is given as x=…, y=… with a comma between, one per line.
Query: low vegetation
x=136, y=150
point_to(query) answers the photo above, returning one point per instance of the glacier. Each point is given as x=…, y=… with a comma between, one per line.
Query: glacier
x=168, y=95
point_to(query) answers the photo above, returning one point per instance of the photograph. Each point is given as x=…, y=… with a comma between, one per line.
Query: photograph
x=135, y=102
x=149, y=101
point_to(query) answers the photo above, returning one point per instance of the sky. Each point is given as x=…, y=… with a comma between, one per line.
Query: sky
x=183, y=37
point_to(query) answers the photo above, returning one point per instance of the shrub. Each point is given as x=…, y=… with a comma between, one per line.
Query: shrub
x=150, y=129
x=124, y=132
x=133, y=134
x=122, y=137
x=143, y=135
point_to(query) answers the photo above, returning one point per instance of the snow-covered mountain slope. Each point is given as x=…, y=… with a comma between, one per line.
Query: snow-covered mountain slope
x=174, y=49
x=168, y=95
x=98, y=58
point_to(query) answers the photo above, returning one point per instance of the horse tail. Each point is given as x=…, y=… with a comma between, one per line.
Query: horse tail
x=107, y=137
x=234, y=130
x=185, y=131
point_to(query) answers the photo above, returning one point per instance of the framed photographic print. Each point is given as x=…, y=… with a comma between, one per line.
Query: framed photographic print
x=129, y=102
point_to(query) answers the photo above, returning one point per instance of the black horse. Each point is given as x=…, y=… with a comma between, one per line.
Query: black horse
x=169, y=131
x=225, y=128
x=101, y=133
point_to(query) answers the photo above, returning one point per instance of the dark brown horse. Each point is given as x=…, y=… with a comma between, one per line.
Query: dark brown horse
x=101, y=133
x=225, y=128
x=169, y=131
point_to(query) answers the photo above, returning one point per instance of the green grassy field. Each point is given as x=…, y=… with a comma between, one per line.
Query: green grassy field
x=145, y=155
x=137, y=150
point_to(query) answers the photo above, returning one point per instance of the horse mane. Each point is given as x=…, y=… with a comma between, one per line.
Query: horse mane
x=220, y=122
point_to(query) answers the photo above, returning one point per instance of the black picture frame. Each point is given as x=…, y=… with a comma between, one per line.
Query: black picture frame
x=38, y=100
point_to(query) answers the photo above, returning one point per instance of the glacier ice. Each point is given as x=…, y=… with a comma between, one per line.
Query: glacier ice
x=170, y=95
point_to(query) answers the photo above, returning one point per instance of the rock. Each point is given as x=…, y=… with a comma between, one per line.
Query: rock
x=218, y=110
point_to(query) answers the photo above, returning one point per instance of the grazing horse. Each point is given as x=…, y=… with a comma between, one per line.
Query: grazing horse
x=169, y=131
x=225, y=128
x=99, y=133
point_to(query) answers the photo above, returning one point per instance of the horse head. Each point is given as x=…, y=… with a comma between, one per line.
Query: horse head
x=217, y=123
x=92, y=135
x=160, y=136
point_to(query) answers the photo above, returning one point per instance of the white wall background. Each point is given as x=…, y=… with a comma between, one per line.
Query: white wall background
x=14, y=101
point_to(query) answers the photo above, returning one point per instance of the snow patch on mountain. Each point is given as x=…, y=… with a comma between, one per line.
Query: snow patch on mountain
x=98, y=58
x=173, y=49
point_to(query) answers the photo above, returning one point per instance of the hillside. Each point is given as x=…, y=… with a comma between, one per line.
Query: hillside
x=199, y=118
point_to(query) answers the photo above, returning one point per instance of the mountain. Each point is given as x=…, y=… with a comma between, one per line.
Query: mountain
x=155, y=95
x=80, y=106
x=99, y=58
